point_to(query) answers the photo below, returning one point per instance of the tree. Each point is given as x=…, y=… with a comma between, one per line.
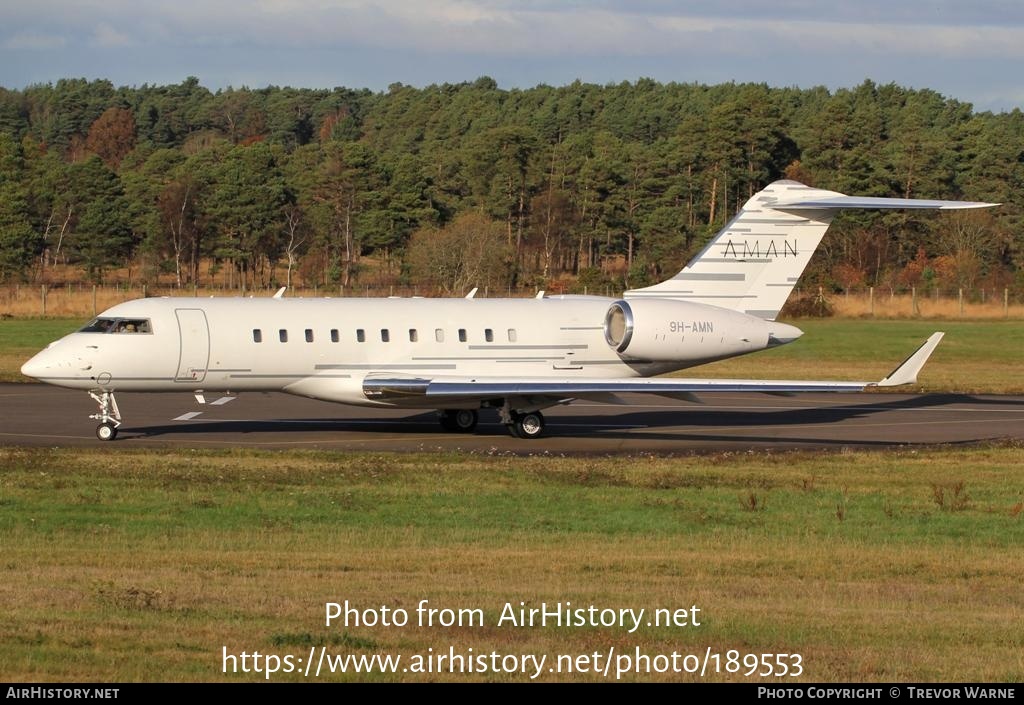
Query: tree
x=19, y=242
x=245, y=207
x=112, y=136
x=342, y=189
x=102, y=232
x=471, y=251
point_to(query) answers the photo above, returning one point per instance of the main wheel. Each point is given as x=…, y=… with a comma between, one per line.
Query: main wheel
x=458, y=420
x=106, y=431
x=447, y=419
x=465, y=420
x=529, y=425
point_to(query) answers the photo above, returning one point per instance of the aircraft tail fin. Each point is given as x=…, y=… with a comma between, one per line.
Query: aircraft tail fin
x=754, y=262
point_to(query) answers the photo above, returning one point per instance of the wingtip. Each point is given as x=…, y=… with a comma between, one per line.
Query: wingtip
x=966, y=205
x=907, y=372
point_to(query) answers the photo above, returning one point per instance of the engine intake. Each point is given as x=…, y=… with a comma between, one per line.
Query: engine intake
x=618, y=326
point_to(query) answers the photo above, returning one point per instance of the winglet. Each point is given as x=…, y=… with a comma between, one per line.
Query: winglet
x=280, y=292
x=472, y=293
x=906, y=373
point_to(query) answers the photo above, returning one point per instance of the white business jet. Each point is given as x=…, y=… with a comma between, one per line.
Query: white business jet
x=461, y=355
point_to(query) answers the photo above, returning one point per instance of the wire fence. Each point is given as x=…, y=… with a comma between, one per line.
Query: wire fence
x=82, y=300
x=931, y=302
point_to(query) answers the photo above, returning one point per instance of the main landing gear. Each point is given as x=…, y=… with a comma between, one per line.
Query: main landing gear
x=109, y=415
x=528, y=425
x=522, y=424
x=458, y=420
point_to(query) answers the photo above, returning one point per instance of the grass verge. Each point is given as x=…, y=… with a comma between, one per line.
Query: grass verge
x=144, y=565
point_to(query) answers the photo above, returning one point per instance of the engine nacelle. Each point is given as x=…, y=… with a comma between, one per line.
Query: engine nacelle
x=665, y=330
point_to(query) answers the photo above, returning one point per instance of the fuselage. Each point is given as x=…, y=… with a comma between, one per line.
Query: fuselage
x=325, y=348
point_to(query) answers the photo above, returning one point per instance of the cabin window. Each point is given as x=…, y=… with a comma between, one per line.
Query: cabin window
x=257, y=335
x=413, y=335
x=488, y=335
x=512, y=337
x=462, y=335
x=282, y=335
x=360, y=335
x=439, y=335
x=385, y=335
x=334, y=335
x=309, y=335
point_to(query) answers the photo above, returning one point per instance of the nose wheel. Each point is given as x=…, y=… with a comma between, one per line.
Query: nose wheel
x=109, y=415
x=106, y=431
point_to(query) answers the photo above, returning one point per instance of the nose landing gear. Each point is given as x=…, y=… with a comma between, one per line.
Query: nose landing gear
x=109, y=415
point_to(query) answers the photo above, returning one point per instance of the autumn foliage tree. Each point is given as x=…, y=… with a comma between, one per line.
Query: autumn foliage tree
x=472, y=251
x=112, y=136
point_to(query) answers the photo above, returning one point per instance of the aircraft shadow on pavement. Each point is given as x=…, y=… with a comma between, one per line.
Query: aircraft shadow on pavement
x=689, y=422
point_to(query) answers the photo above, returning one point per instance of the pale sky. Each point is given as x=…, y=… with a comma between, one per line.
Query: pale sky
x=971, y=51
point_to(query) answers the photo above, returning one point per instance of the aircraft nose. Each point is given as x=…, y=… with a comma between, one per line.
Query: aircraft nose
x=35, y=367
x=52, y=362
x=782, y=333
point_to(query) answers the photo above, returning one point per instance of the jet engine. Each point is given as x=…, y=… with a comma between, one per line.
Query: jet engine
x=666, y=330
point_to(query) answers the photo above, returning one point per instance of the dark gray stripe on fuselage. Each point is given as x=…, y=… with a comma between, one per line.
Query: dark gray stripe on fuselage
x=711, y=276
x=776, y=221
x=528, y=347
x=729, y=260
x=494, y=357
x=306, y=376
x=384, y=366
x=670, y=294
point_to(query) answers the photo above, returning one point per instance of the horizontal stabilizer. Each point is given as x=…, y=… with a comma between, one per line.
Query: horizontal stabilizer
x=842, y=202
x=906, y=373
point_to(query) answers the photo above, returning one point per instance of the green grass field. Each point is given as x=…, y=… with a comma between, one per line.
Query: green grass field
x=144, y=565
x=974, y=357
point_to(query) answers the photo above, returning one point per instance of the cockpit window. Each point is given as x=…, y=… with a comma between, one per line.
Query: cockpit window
x=117, y=325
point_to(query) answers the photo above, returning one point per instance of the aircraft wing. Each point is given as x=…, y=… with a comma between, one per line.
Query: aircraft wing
x=451, y=389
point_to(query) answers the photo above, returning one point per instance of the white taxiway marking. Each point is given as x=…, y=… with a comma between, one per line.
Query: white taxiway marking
x=222, y=401
x=187, y=417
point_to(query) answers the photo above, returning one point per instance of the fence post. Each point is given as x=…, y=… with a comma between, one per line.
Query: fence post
x=42, y=297
x=93, y=299
x=913, y=301
x=960, y=299
x=871, y=300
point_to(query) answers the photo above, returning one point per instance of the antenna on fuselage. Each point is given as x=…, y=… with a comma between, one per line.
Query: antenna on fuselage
x=472, y=293
x=280, y=292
